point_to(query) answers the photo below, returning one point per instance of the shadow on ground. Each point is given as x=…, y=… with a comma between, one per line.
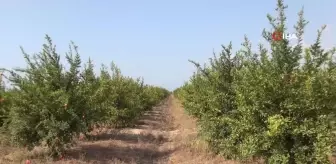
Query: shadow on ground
x=103, y=154
x=130, y=138
x=141, y=144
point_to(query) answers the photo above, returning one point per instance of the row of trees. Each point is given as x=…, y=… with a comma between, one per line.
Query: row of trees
x=51, y=103
x=277, y=104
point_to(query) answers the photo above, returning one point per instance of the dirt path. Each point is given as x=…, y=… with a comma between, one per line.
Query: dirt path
x=146, y=143
x=164, y=135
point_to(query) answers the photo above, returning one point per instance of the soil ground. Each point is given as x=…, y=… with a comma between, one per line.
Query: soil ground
x=164, y=135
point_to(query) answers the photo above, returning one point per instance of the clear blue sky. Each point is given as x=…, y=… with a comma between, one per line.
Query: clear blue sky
x=149, y=38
